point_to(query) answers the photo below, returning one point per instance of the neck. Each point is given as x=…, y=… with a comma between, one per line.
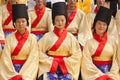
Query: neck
x=70, y=8
x=100, y=34
x=22, y=32
x=40, y=6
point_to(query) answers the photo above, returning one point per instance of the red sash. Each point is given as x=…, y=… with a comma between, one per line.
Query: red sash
x=61, y=35
x=71, y=17
x=104, y=77
x=96, y=10
x=16, y=77
x=21, y=41
x=102, y=42
x=7, y=21
x=58, y=60
x=39, y=14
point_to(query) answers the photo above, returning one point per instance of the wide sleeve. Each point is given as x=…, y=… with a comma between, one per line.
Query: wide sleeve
x=45, y=61
x=88, y=70
x=30, y=68
x=49, y=20
x=74, y=61
x=114, y=71
x=118, y=22
x=6, y=66
x=112, y=30
x=2, y=39
x=118, y=55
x=84, y=32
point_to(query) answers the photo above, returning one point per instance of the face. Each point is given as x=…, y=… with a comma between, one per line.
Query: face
x=12, y=2
x=100, y=3
x=60, y=21
x=100, y=27
x=71, y=3
x=21, y=25
x=39, y=2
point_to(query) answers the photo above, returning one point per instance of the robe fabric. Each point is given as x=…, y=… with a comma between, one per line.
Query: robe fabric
x=79, y=26
x=112, y=28
x=28, y=52
x=89, y=70
x=118, y=28
x=8, y=28
x=5, y=14
x=69, y=47
x=117, y=18
x=44, y=24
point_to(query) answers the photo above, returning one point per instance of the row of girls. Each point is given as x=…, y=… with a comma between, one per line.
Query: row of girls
x=91, y=50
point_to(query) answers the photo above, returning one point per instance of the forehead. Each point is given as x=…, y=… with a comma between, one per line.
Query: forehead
x=59, y=16
x=102, y=22
x=19, y=19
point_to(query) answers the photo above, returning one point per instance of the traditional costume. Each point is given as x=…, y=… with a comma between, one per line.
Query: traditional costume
x=112, y=29
x=99, y=55
x=60, y=54
x=117, y=18
x=41, y=21
x=6, y=12
x=6, y=23
x=19, y=59
x=118, y=28
x=78, y=25
x=2, y=2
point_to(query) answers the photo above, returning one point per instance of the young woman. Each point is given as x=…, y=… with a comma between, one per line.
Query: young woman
x=99, y=55
x=19, y=59
x=77, y=23
x=60, y=54
x=41, y=19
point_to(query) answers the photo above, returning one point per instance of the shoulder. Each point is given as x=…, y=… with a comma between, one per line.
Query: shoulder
x=91, y=14
x=80, y=11
x=48, y=9
x=3, y=7
x=32, y=36
x=31, y=10
x=10, y=36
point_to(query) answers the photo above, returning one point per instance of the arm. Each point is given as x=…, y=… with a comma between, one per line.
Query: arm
x=114, y=71
x=84, y=32
x=88, y=68
x=30, y=68
x=45, y=61
x=73, y=62
x=2, y=39
x=7, y=69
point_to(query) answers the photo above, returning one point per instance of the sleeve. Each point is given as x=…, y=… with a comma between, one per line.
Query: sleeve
x=2, y=39
x=74, y=61
x=30, y=68
x=7, y=70
x=118, y=22
x=114, y=71
x=84, y=32
x=29, y=27
x=45, y=61
x=50, y=24
x=88, y=68
x=112, y=30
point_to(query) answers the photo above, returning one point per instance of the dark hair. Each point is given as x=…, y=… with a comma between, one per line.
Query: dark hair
x=93, y=28
x=17, y=18
x=59, y=8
